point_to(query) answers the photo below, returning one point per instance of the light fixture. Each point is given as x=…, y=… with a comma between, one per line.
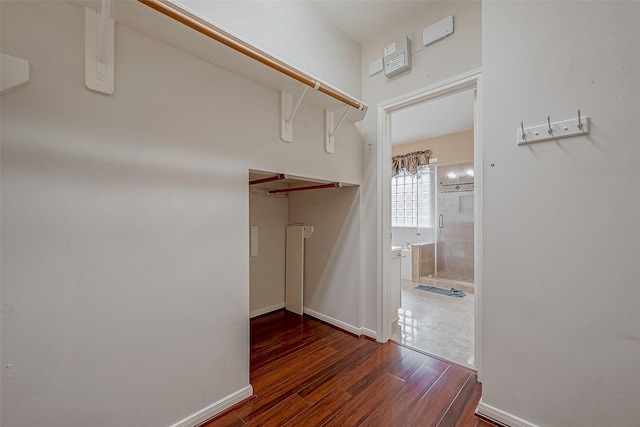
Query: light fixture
x=470, y=172
x=452, y=175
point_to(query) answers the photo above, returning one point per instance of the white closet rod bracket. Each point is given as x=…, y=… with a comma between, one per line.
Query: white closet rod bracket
x=330, y=129
x=14, y=72
x=287, y=112
x=295, y=109
x=99, y=49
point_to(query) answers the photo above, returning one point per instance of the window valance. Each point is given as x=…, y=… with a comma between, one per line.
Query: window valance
x=409, y=162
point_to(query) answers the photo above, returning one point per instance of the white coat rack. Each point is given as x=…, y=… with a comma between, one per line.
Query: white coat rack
x=555, y=130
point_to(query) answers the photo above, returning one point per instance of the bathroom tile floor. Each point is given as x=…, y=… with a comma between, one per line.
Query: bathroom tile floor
x=436, y=324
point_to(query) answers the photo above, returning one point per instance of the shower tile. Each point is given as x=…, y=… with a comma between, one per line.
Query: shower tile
x=467, y=249
x=465, y=231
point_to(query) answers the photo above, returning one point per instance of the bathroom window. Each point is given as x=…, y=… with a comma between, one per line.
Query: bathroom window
x=411, y=199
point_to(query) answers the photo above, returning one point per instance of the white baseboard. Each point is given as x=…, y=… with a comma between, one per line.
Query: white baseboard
x=215, y=408
x=502, y=416
x=369, y=333
x=330, y=320
x=335, y=322
x=265, y=310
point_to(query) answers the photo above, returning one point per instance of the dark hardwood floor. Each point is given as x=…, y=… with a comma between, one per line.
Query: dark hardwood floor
x=307, y=373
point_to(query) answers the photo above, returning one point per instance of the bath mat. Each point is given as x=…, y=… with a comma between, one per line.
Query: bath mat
x=448, y=292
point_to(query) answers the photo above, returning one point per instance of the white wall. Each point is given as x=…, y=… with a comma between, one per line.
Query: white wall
x=332, y=253
x=125, y=288
x=289, y=30
x=267, y=269
x=453, y=148
x=561, y=325
x=455, y=55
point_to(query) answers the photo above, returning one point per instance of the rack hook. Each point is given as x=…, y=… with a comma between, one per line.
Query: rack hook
x=579, y=120
x=524, y=135
x=550, y=131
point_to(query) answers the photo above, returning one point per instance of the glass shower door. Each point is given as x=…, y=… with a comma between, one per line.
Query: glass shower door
x=426, y=230
x=455, y=216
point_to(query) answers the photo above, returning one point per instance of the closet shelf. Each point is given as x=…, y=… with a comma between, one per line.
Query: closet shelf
x=146, y=19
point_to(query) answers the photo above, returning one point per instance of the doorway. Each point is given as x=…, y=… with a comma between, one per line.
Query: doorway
x=432, y=220
x=455, y=196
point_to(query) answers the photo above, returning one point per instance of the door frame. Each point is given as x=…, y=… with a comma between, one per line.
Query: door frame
x=471, y=80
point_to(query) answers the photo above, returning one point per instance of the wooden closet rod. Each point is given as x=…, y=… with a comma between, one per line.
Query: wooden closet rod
x=249, y=51
x=271, y=178
x=311, y=187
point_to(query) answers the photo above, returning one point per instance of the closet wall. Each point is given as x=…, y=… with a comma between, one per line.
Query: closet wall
x=125, y=268
x=289, y=30
x=332, y=261
x=331, y=265
x=267, y=270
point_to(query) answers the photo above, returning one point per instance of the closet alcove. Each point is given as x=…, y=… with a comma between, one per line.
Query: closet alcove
x=296, y=242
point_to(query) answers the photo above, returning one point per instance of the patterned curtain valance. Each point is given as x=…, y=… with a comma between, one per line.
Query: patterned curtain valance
x=409, y=162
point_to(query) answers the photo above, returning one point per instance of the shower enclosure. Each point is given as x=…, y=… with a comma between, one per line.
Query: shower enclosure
x=433, y=214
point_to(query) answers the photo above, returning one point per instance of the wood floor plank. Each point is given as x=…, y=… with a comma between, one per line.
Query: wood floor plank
x=335, y=340
x=375, y=361
x=281, y=413
x=362, y=405
x=317, y=414
x=279, y=372
x=307, y=373
x=406, y=367
x=228, y=419
x=368, y=374
x=292, y=384
x=455, y=410
x=343, y=373
x=267, y=350
x=467, y=418
x=433, y=405
x=392, y=411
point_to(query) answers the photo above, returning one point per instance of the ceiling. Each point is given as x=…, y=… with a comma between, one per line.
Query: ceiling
x=361, y=20
x=442, y=116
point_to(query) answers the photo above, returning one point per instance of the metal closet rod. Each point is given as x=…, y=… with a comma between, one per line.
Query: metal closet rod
x=278, y=177
x=311, y=187
x=249, y=51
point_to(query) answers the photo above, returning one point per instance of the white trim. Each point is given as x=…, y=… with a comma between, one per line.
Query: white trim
x=502, y=416
x=384, y=221
x=369, y=333
x=470, y=80
x=335, y=322
x=215, y=408
x=477, y=229
x=265, y=310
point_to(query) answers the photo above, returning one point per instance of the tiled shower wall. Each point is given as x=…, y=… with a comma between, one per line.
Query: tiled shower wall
x=455, y=198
